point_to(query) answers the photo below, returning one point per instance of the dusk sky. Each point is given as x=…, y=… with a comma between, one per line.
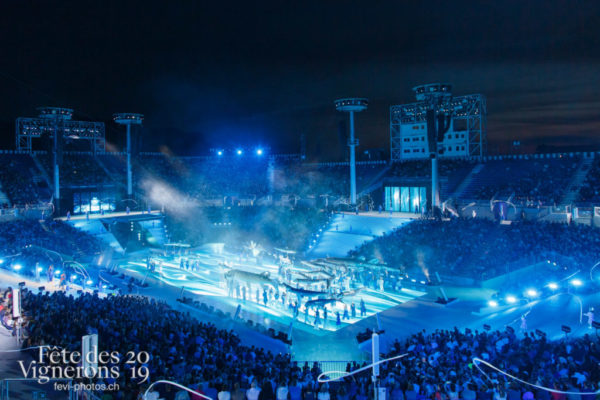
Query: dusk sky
x=211, y=74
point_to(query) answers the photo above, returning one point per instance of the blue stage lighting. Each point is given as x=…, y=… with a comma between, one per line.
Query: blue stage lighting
x=493, y=303
x=17, y=267
x=576, y=282
x=239, y=152
x=532, y=293
x=259, y=152
x=220, y=152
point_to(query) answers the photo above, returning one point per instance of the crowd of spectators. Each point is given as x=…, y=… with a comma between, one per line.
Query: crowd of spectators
x=590, y=189
x=27, y=236
x=438, y=366
x=78, y=169
x=316, y=180
x=478, y=248
x=20, y=181
x=537, y=181
x=200, y=178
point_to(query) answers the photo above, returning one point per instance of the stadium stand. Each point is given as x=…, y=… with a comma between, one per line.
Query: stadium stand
x=438, y=365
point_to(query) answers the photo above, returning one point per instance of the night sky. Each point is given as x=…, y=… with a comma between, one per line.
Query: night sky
x=211, y=74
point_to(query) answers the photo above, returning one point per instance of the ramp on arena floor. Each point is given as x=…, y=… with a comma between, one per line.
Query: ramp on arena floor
x=348, y=231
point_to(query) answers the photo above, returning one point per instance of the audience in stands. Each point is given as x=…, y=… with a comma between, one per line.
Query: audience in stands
x=27, y=236
x=590, y=190
x=21, y=182
x=438, y=365
x=527, y=182
x=480, y=249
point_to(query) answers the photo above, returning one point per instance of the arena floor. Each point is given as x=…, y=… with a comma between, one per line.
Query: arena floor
x=209, y=283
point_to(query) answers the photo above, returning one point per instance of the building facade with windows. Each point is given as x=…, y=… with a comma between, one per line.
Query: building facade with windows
x=466, y=137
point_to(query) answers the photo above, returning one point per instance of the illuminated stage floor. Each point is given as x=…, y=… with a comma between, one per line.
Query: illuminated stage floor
x=209, y=283
x=347, y=231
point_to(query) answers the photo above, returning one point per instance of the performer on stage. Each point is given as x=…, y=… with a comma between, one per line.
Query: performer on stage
x=363, y=308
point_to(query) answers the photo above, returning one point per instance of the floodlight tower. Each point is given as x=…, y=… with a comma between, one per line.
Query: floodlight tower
x=352, y=105
x=128, y=119
x=437, y=98
x=58, y=115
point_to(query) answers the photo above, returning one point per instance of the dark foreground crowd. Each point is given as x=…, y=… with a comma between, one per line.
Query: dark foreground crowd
x=439, y=365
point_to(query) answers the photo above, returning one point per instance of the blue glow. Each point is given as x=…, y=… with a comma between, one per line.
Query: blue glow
x=259, y=152
x=17, y=267
x=511, y=299
x=532, y=293
x=89, y=282
x=553, y=286
x=493, y=303
x=576, y=282
x=1, y=261
x=220, y=153
x=239, y=152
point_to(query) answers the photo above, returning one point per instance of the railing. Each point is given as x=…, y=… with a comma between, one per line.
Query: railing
x=30, y=211
x=326, y=366
x=50, y=390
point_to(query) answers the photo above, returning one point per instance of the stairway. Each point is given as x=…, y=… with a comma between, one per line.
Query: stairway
x=113, y=176
x=41, y=172
x=3, y=197
x=374, y=183
x=572, y=191
x=460, y=190
x=348, y=231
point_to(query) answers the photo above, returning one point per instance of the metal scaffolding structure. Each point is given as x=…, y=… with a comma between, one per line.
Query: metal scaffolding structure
x=471, y=109
x=58, y=120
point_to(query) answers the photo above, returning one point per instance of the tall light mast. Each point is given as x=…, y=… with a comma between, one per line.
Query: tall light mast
x=128, y=119
x=352, y=105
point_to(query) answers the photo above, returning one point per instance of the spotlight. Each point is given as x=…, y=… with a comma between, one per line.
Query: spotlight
x=239, y=152
x=259, y=152
x=493, y=303
x=17, y=267
x=553, y=286
x=89, y=282
x=39, y=269
x=576, y=282
x=220, y=152
x=532, y=293
x=1, y=261
x=511, y=299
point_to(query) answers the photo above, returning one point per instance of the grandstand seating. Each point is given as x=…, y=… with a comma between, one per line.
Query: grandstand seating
x=524, y=180
x=196, y=354
x=590, y=190
x=21, y=181
x=78, y=169
x=478, y=248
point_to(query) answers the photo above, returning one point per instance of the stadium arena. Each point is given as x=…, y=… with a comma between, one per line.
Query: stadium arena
x=244, y=268
x=308, y=200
